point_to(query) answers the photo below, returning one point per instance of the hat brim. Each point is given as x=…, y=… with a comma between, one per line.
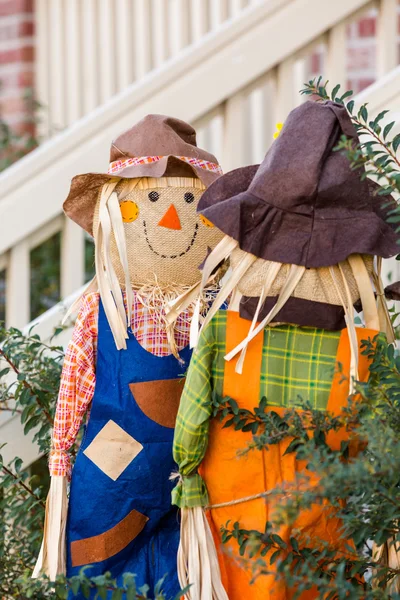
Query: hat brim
x=289, y=237
x=81, y=201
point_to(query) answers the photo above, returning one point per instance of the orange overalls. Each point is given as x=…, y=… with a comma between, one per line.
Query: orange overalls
x=228, y=477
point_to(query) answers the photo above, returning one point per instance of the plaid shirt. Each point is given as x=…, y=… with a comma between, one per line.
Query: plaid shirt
x=78, y=377
x=296, y=361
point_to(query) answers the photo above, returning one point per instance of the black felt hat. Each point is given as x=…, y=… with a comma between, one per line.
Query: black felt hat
x=304, y=204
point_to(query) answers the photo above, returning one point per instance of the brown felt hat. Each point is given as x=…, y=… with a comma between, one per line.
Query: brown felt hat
x=303, y=205
x=157, y=146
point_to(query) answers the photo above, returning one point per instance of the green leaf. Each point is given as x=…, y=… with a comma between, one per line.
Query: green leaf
x=234, y=406
x=350, y=106
x=396, y=142
x=346, y=95
x=387, y=129
x=335, y=91
x=363, y=113
x=293, y=446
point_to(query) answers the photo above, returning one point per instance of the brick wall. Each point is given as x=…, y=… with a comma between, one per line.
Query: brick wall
x=361, y=53
x=16, y=63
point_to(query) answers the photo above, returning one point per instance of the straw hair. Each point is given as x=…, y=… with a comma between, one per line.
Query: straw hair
x=315, y=285
x=342, y=284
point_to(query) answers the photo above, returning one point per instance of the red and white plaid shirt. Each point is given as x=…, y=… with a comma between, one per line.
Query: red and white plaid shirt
x=78, y=377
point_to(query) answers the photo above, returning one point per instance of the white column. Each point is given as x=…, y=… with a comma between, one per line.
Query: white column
x=237, y=6
x=18, y=286
x=336, y=67
x=285, y=92
x=106, y=49
x=90, y=57
x=42, y=64
x=72, y=258
x=387, y=34
x=200, y=23
x=142, y=32
x=235, y=139
x=124, y=44
x=160, y=15
x=219, y=12
x=73, y=54
x=56, y=59
x=179, y=25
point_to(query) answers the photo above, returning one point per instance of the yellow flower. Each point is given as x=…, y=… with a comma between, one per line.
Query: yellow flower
x=278, y=127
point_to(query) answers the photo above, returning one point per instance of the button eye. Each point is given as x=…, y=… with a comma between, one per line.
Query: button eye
x=154, y=196
x=189, y=197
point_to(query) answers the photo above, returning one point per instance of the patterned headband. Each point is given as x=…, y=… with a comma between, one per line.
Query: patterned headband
x=118, y=165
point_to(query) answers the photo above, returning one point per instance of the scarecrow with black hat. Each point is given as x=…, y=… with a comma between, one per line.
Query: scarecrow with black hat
x=124, y=362
x=305, y=237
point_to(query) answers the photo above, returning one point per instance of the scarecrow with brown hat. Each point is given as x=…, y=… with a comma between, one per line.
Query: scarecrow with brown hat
x=124, y=363
x=305, y=236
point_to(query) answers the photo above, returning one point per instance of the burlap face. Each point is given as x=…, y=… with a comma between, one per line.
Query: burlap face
x=166, y=240
x=315, y=285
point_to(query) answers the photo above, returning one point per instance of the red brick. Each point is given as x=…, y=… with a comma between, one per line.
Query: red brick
x=26, y=29
x=316, y=62
x=15, y=7
x=367, y=27
x=361, y=58
x=13, y=31
x=363, y=83
x=24, y=54
x=11, y=106
x=18, y=79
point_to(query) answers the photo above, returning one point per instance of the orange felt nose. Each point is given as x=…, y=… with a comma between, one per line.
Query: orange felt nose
x=171, y=219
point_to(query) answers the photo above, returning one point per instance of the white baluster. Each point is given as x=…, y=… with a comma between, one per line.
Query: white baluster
x=90, y=57
x=299, y=79
x=42, y=65
x=124, y=44
x=200, y=23
x=219, y=12
x=237, y=6
x=72, y=258
x=261, y=111
x=18, y=286
x=179, y=25
x=160, y=12
x=234, y=145
x=73, y=53
x=142, y=33
x=57, y=65
x=336, y=54
x=217, y=134
x=285, y=91
x=387, y=35
x=106, y=49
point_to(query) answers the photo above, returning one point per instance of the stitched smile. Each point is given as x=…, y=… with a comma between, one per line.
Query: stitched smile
x=172, y=255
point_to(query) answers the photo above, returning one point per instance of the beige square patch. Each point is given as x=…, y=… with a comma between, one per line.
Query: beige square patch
x=112, y=450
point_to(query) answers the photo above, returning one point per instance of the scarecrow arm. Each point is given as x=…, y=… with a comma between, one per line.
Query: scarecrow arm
x=198, y=567
x=77, y=386
x=192, y=424
x=76, y=393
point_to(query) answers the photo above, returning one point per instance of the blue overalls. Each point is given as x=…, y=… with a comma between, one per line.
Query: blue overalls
x=120, y=514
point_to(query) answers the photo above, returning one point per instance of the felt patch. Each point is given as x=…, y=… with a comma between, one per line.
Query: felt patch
x=159, y=400
x=112, y=450
x=100, y=547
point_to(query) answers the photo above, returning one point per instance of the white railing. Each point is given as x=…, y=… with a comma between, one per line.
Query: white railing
x=233, y=84
x=89, y=50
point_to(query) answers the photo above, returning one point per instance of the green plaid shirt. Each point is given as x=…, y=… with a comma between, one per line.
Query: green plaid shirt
x=297, y=363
